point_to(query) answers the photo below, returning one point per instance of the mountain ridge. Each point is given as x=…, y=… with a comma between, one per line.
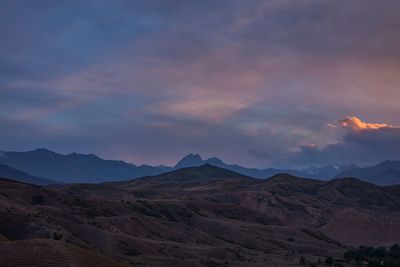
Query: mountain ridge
x=11, y=173
x=74, y=167
x=325, y=172
x=90, y=168
x=384, y=173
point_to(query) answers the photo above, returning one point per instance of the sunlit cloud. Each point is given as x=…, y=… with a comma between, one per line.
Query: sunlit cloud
x=371, y=142
x=357, y=124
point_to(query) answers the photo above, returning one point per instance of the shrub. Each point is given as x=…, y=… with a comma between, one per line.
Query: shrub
x=57, y=236
x=329, y=261
x=38, y=200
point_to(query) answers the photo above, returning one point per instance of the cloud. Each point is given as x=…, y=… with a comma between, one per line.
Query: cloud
x=212, y=110
x=362, y=143
x=356, y=124
x=216, y=77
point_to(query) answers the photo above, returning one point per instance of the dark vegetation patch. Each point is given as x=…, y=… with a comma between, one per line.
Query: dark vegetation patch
x=290, y=206
x=37, y=200
x=128, y=250
x=144, y=208
x=374, y=257
x=57, y=236
x=79, y=202
x=93, y=212
x=211, y=263
x=14, y=226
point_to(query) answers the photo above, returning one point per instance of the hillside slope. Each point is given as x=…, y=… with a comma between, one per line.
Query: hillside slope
x=6, y=171
x=205, y=216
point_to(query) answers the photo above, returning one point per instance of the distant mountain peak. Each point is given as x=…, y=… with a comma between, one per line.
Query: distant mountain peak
x=193, y=156
x=190, y=161
x=215, y=161
x=87, y=156
x=384, y=173
x=324, y=172
x=42, y=150
x=193, y=160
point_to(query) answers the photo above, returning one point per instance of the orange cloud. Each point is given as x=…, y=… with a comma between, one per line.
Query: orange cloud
x=357, y=124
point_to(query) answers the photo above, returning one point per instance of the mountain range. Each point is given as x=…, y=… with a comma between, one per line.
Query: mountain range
x=324, y=172
x=196, y=216
x=73, y=168
x=385, y=173
x=89, y=168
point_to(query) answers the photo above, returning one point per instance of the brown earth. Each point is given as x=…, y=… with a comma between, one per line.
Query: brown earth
x=201, y=216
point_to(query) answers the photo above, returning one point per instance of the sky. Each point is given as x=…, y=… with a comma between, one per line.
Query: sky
x=278, y=83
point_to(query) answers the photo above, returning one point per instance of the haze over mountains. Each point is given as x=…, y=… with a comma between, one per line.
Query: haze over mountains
x=50, y=166
x=325, y=172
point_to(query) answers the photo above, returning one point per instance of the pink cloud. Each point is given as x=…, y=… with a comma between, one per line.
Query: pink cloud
x=212, y=110
x=356, y=124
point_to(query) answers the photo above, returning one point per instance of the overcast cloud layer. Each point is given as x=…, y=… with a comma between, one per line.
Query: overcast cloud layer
x=260, y=83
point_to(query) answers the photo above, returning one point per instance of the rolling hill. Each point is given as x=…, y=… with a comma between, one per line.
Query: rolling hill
x=205, y=216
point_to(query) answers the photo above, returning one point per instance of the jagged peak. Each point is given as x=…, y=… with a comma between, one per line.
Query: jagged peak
x=193, y=156
x=215, y=160
x=190, y=160
x=43, y=150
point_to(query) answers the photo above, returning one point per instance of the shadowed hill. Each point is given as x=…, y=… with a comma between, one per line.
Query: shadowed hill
x=44, y=252
x=12, y=173
x=191, y=176
x=203, y=173
x=353, y=191
x=205, y=216
x=288, y=183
